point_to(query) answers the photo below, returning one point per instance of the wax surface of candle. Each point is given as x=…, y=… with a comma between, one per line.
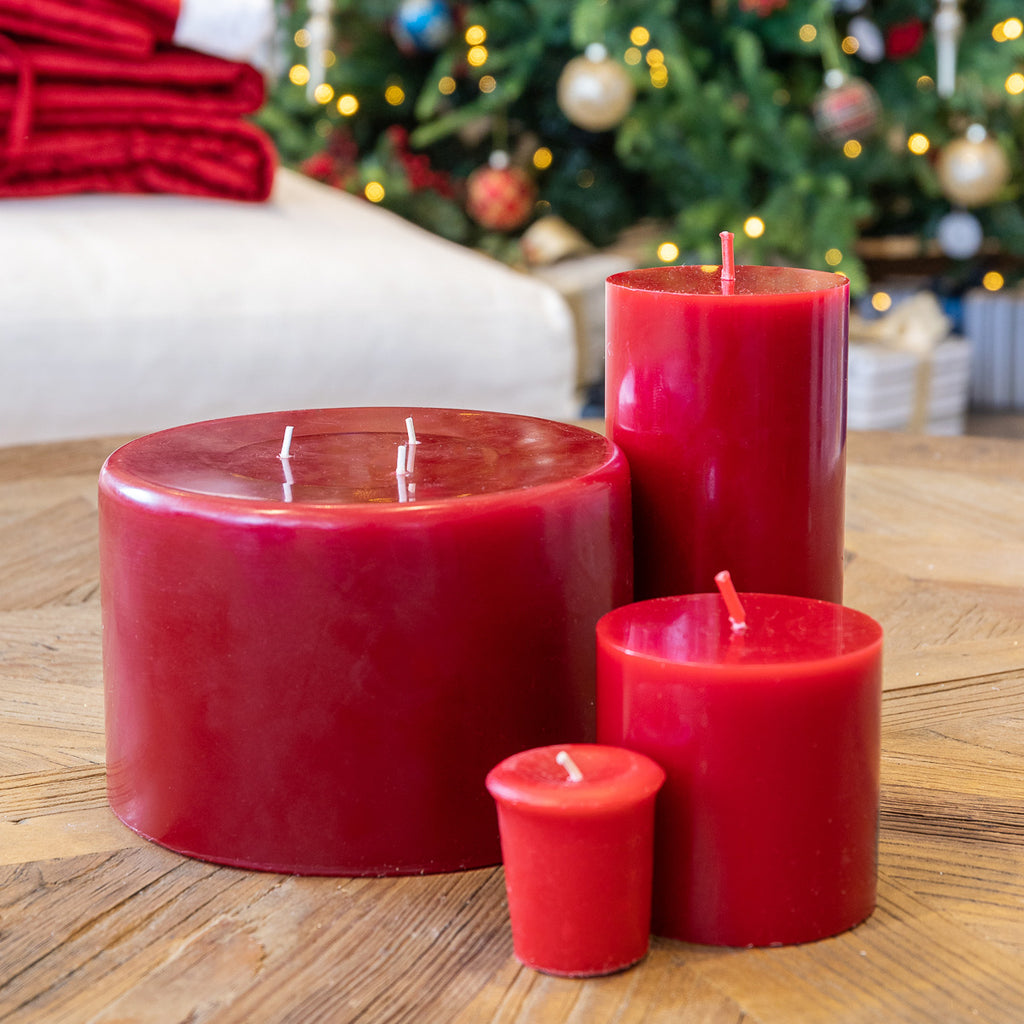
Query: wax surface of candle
x=731, y=411
x=770, y=738
x=321, y=684
x=577, y=855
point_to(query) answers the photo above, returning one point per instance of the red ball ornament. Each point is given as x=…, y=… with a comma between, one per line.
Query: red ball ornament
x=847, y=108
x=499, y=197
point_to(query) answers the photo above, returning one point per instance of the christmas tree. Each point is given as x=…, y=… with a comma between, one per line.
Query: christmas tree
x=803, y=127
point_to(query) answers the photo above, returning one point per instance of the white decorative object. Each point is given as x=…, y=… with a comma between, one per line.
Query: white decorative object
x=948, y=24
x=242, y=30
x=907, y=372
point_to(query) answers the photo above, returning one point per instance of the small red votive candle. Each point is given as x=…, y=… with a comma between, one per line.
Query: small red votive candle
x=768, y=729
x=576, y=825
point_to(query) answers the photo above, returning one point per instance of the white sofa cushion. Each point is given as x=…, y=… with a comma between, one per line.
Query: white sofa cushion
x=126, y=314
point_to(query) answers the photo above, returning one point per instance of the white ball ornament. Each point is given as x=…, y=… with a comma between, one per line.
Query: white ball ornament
x=594, y=91
x=960, y=235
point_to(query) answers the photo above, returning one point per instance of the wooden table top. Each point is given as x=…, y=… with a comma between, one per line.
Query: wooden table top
x=98, y=925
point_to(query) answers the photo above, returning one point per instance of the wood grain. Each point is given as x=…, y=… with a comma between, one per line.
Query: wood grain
x=98, y=925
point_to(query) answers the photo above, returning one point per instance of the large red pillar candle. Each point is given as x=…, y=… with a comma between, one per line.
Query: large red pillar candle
x=312, y=662
x=769, y=737
x=729, y=402
x=577, y=824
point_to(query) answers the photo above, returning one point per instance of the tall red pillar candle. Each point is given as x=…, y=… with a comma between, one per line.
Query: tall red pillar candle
x=577, y=825
x=313, y=654
x=768, y=731
x=729, y=401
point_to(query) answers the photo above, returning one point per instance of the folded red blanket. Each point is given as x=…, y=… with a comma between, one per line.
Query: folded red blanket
x=181, y=153
x=126, y=27
x=75, y=121
x=72, y=86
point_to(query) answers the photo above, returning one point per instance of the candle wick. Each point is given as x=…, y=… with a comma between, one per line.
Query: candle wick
x=728, y=269
x=286, y=445
x=571, y=768
x=737, y=616
x=289, y=479
x=410, y=455
x=400, y=475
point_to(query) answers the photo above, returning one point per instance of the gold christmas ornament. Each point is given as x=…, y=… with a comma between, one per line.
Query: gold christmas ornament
x=594, y=91
x=973, y=169
x=551, y=239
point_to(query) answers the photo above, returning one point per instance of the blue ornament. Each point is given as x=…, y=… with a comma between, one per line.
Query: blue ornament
x=422, y=25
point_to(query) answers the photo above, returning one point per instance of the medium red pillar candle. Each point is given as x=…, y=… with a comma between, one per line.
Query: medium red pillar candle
x=577, y=826
x=312, y=661
x=728, y=399
x=769, y=736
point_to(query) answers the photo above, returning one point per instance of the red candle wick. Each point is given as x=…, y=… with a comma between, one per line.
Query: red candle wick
x=286, y=444
x=737, y=616
x=564, y=758
x=728, y=269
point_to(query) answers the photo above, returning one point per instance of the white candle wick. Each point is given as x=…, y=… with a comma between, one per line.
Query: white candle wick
x=564, y=758
x=286, y=445
x=410, y=454
x=400, y=474
x=288, y=478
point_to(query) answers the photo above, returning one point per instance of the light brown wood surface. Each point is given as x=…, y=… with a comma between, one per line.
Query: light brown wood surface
x=96, y=925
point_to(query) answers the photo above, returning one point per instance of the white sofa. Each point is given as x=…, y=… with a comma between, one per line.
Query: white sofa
x=127, y=314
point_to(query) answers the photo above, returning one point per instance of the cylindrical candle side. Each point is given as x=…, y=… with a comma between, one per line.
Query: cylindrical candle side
x=730, y=405
x=770, y=739
x=317, y=680
x=577, y=848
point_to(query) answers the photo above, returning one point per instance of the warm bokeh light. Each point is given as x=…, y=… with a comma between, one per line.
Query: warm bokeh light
x=374, y=191
x=303, y=38
x=808, y=33
x=1007, y=30
x=753, y=227
x=395, y=95
x=475, y=35
x=918, y=143
x=1015, y=84
x=477, y=56
x=639, y=36
x=542, y=158
x=659, y=76
x=834, y=257
x=655, y=57
x=850, y=44
x=633, y=56
x=668, y=252
x=926, y=83
x=993, y=281
x=852, y=148
x=298, y=74
x=881, y=301
x=323, y=93
x=488, y=83
x=446, y=86
x=347, y=105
